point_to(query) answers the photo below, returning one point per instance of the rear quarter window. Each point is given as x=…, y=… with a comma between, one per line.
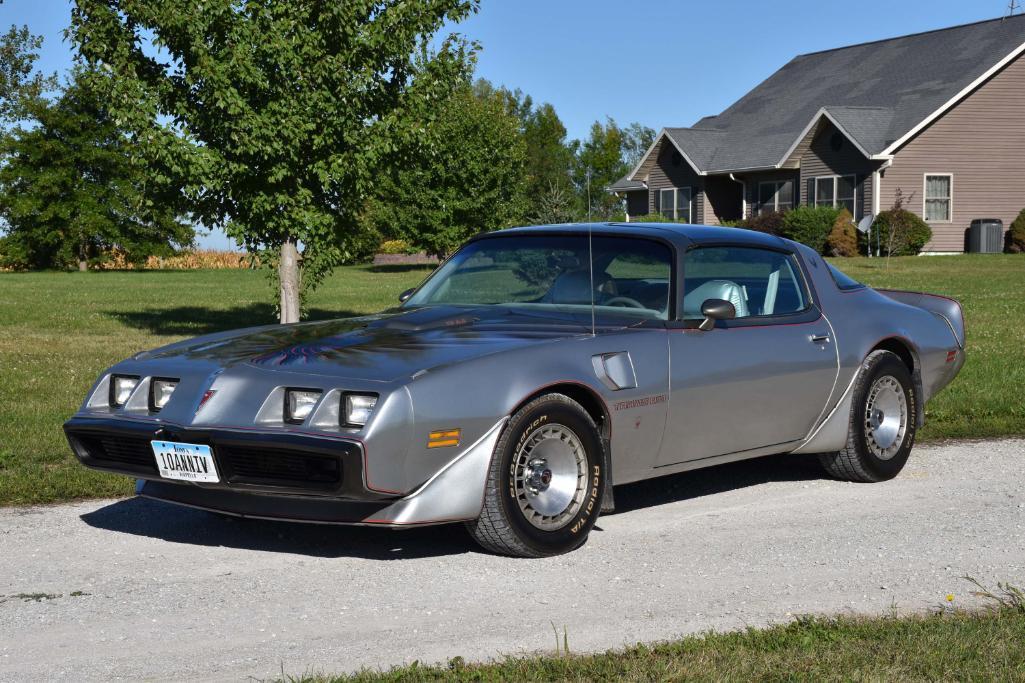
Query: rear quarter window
x=844, y=282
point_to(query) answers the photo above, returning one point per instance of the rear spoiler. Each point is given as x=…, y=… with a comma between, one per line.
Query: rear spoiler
x=944, y=307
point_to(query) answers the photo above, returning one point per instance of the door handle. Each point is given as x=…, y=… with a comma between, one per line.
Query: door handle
x=820, y=339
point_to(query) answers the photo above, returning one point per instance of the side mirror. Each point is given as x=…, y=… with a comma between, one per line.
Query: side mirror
x=406, y=294
x=716, y=309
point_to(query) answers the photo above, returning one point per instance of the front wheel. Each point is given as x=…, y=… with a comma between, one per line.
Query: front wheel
x=545, y=484
x=882, y=423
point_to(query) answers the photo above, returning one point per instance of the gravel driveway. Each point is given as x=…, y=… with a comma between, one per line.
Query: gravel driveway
x=139, y=589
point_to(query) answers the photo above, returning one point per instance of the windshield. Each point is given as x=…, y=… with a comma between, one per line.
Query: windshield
x=631, y=275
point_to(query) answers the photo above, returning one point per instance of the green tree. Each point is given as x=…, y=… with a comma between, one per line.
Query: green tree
x=637, y=139
x=473, y=182
x=21, y=85
x=549, y=157
x=71, y=190
x=275, y=115
x=599, y=163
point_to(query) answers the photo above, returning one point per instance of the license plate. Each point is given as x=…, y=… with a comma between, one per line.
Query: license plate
x=185, y=461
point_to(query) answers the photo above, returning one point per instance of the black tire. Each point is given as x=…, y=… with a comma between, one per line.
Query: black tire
x=860, y=460
x=503, y=526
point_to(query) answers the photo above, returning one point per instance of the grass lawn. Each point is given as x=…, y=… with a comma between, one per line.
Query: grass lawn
x=58, y=331
x=987, y=646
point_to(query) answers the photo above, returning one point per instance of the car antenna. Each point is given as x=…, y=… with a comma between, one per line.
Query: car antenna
x=590, y=270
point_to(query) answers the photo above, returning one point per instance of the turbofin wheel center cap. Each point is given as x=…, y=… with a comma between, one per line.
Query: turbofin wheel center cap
x=539, y=477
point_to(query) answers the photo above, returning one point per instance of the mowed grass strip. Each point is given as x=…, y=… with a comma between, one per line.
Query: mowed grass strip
x=58, y=331
x=950, y=646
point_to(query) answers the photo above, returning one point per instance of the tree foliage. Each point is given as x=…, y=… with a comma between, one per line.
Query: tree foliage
x=1014, y=241
x=276, y=116
x=599, y=163
x=71, y=190
x=21, y=86
x=472, y=182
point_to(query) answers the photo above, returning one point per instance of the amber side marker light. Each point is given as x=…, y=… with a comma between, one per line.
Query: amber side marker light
x=444, y=438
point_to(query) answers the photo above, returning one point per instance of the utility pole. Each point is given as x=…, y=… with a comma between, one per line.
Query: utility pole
x=1012, y=7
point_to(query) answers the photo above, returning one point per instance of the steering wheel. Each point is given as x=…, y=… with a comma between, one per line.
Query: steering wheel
x=625, y=302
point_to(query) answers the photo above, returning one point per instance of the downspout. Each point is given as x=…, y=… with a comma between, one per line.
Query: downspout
x=743, y=196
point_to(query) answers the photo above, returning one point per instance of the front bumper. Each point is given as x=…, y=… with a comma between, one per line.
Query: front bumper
x=283, y=475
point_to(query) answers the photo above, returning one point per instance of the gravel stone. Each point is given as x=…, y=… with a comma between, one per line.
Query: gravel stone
x=136, y=589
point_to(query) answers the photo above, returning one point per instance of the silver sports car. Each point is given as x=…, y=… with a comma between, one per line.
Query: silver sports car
x=534, y=369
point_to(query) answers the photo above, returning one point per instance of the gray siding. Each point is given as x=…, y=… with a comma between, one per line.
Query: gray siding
x=821, y=159
x=636, y=203
x=671, y=170
x=981, y=141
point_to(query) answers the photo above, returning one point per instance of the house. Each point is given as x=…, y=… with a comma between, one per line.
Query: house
x=939, y=116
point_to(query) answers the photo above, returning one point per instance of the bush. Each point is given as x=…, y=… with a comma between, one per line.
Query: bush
x=395, y=247
x=1014, y=242
x=770, y=223
x=810, y=225
x=843, y=238
x=900, y=232
x=733, y=224
x=650, y=218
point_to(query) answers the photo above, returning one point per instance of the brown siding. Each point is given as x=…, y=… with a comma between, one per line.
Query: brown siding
x=820, y=159
x=981, y=141
x=671, y=170
x=722, y=200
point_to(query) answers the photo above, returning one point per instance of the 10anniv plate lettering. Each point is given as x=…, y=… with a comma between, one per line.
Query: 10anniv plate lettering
x=185, y=461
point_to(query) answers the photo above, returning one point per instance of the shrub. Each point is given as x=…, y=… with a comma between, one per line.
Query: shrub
x=733, y=224
x=650, y=218
x=900, y=232
x=810, y=225
x=843, y=238
x=395, y=247
x=1014, y=242
x=770, y=223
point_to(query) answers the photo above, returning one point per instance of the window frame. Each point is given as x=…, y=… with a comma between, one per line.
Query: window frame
x=949, y=198
x=809, y=313
x=836, y=190
x=675, y=195
x=777, y=184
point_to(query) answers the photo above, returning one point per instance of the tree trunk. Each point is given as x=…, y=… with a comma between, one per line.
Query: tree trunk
x=288, y=276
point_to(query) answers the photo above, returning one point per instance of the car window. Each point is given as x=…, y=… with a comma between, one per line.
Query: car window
x=630, y=277
x=843, y=281
x=758, y=282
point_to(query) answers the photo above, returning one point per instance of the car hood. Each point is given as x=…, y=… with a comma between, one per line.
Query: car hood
x=382, y=347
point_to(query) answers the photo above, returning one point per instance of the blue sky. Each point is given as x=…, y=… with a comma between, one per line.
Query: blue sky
x=660, y=62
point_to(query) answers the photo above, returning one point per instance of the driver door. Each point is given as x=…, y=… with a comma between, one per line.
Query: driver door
x=761, y=379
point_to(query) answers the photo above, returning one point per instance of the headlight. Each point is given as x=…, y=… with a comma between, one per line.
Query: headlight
x=121, y=388
x=299, y=404
x=356, y=409
x=160, y=392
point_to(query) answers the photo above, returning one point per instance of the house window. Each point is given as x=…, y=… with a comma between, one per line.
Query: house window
x=775, y=196
x=836, y=190
x=938, y=193
x=675, y=203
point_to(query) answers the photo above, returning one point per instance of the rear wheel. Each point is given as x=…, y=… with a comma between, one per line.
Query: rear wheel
x=882, y=423
x=546, y=481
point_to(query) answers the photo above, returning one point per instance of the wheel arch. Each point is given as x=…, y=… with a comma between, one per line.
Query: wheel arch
x=905, y=350
x=595, y=406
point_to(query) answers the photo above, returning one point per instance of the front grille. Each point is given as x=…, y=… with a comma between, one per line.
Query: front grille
x=280, y=468
x=125, y=451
